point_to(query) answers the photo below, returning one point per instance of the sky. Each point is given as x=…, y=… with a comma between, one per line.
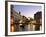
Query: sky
x=27, y=10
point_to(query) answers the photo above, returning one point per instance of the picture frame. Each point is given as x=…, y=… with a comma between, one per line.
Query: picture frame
x=8, y=15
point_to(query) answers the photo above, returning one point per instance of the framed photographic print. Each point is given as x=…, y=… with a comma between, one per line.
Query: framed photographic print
x=24, y=18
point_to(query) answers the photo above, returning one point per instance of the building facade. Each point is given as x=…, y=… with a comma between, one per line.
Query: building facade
x=20, y=21
x=38, y=18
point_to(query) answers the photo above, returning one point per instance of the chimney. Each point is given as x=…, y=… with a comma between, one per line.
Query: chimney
x=19, y=12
